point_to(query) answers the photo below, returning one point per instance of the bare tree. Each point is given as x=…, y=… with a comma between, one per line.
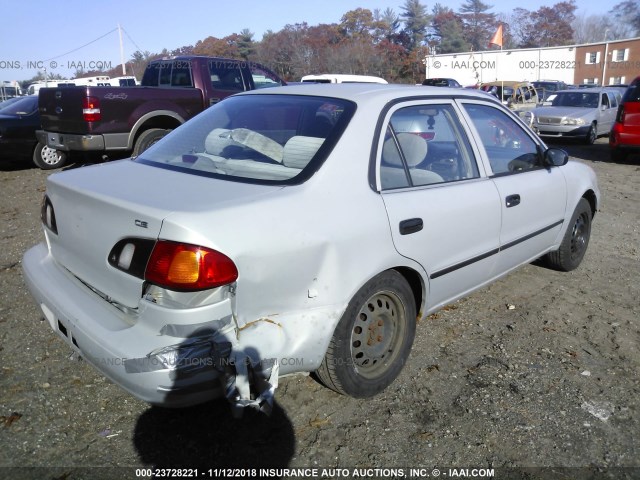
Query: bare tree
x=627, y=14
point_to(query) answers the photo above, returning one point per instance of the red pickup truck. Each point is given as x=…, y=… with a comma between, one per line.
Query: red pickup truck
x=117, y=120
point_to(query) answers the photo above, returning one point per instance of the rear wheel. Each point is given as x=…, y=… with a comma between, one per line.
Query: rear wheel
x=47, y=158
x=148, y=138
x=575, y=241
x=373, y=338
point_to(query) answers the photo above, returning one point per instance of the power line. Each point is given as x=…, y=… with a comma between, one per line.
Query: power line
x=85, y=45
x=129, y=37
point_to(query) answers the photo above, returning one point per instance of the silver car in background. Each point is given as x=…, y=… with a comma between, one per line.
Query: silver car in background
x=302, y=229
x=585, y=113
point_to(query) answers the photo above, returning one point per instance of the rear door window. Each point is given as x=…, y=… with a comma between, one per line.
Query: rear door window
x=424, y=145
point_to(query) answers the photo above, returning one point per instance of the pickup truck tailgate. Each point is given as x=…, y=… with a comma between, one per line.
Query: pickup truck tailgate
x=115, y=109
x=61, y=110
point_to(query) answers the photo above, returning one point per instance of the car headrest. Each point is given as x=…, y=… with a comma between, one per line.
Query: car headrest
x=413, y=147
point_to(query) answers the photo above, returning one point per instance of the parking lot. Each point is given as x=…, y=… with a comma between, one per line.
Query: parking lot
x=542, y=369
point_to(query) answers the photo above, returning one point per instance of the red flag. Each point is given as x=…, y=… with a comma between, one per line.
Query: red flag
x=497, y=37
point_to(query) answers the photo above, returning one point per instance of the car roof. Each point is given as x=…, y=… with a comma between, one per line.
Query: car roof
x=585, y=90
x=364, y=92
x=507, y=83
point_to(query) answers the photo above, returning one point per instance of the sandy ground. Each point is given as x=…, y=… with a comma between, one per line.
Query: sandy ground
x=552, y=383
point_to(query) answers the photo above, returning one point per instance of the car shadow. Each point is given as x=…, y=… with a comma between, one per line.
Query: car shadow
x=16, y=165
x=207, y=436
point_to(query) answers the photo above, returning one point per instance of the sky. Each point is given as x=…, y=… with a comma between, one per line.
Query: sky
x=62, y=35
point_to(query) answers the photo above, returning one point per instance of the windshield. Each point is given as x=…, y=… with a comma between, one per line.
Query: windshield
x=23, y=106
x=272, y=139
x=576, y=99
x=546, y=85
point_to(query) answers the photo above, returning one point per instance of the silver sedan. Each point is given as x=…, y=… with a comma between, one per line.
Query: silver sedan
x=298, y=229
x=585, y=114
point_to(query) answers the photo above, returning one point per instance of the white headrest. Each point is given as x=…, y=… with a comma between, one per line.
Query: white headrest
x=217, y=141
x=299, y=150
x=413, y=147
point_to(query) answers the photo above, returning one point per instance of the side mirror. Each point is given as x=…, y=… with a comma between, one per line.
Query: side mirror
x=555, y=157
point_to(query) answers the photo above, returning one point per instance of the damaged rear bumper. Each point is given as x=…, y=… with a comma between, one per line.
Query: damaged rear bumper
x=177, y=357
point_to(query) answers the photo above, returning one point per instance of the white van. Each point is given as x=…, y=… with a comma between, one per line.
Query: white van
x=341, y=78
x=98, y=81
x=126, y=81
x=34, y=88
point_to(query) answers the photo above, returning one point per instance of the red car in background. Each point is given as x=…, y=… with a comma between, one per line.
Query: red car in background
x=625, y=133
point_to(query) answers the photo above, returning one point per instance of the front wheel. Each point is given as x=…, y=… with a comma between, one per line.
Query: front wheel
x=373, y=338
x=592, y=134
x=48, y=158
x=575, y=241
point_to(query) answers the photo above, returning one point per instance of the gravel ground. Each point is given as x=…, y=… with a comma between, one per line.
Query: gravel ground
x=536, y=373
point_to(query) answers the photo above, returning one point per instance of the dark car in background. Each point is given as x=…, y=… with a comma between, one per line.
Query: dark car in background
x=548, y=87
x=19, y=120
x=624, y=138
x=441, y=82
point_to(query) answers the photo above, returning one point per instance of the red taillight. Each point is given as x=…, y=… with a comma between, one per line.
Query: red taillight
x=184, y=267
x=91, y=109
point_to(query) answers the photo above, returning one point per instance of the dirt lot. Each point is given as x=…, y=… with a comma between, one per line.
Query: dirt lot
x=552, y=382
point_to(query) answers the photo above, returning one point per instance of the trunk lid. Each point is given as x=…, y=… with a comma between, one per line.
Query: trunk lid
x=96, y=207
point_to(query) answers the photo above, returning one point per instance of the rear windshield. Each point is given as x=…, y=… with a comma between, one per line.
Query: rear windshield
x=632, y=94
x=23, y=106
x=270, y=139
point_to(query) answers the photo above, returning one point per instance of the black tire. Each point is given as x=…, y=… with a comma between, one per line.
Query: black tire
x=47, y=158
x=383, y=313
x=592, y=134
x=146, y=139
x=575, y=242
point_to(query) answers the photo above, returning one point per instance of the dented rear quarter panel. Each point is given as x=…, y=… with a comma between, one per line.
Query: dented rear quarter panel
x=304, y=251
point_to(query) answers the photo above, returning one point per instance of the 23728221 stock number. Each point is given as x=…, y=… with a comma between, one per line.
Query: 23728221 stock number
x=549, y=64
x=195, y=473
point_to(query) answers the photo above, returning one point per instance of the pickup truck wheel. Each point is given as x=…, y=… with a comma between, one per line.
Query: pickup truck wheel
x=373, y=339
x=47, y=158
x=575, y=241
x=148, y=138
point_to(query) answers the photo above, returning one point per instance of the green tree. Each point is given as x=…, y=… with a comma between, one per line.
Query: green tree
x=387, y=24
x=479, y=25
x=448, y=30
x=246, y=45
x=416, y=21
x=358, y=23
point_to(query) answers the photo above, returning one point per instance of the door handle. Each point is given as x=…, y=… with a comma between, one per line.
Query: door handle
x=411, y=225
x=512, y=200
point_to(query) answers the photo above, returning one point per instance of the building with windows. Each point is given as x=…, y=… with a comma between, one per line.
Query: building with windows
x=606, y=63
